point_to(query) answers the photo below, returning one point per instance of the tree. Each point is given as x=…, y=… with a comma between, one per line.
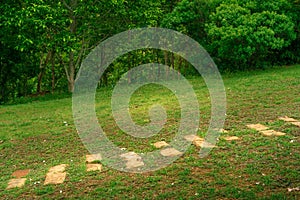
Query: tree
x=243, y=36
x=17, y=67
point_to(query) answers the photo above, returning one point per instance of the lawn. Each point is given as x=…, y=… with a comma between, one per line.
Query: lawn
x=41, y=133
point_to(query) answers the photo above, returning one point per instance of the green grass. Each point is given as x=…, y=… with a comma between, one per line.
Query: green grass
x=41, y=133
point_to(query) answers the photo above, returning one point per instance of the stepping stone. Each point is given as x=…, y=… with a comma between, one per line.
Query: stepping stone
x=198, y=141
x=58, y=168
x=170, y=152
x=93, y=158
x=160, y=144
x=55, y=178
x=264, y=130
x=288, y=119
x=19, y=181
x=190, y=138
x=21, y=173
x=258, y=127
x=272, y=132
x=293, y=189
x=223, y=131
x=207, y=145
x=134, y=163
x=296, y=123
x=16, y=182
x=56, y=175
x=93, y=167
x=278, y=133
x=133, y=160
x=231, y=138
x=129, y=155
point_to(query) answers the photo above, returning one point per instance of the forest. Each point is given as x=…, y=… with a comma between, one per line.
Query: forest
x=43, y=42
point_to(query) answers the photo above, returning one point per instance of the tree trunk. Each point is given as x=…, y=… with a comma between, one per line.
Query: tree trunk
x=43, y=65
x=166, y=63
x=179, y=66
x=71, y=77
x=172, y=62
x=70, y=72
x=130, y=62
x=157, y=61
x=53, y=73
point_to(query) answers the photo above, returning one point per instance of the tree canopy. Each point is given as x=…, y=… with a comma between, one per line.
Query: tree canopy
x=43, y=42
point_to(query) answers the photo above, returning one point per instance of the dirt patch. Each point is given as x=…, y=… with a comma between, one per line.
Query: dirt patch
x=21, y=173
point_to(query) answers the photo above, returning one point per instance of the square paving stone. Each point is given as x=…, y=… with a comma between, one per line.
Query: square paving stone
x=56, y=175
x=16, y=182
x=296, y=123
x=190, y=138
x=133, y=160
x=198, y=141
x=272, y=132
x=133, y=163
x=55, y=178
x=231, y=138
x=207, y=145
x=287, y=119
x=170, y=152
x=258, y=127
x=93, y=167
x=58, y=168
x=160, y=144
x=93, y=158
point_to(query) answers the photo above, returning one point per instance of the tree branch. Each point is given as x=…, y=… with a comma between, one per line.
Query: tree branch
x=67, y=6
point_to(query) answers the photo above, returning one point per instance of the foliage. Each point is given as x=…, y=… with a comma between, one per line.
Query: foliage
x=243, y=36
x=43, y=42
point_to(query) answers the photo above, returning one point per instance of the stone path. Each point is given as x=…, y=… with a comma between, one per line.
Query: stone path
x=57, y=174
x=265, y=130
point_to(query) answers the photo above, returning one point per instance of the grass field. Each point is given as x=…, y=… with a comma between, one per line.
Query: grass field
x=41, y=134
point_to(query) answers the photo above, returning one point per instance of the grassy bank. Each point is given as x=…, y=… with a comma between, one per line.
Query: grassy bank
x=41, y=134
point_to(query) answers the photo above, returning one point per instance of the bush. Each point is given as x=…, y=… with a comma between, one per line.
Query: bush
x=242, y=36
